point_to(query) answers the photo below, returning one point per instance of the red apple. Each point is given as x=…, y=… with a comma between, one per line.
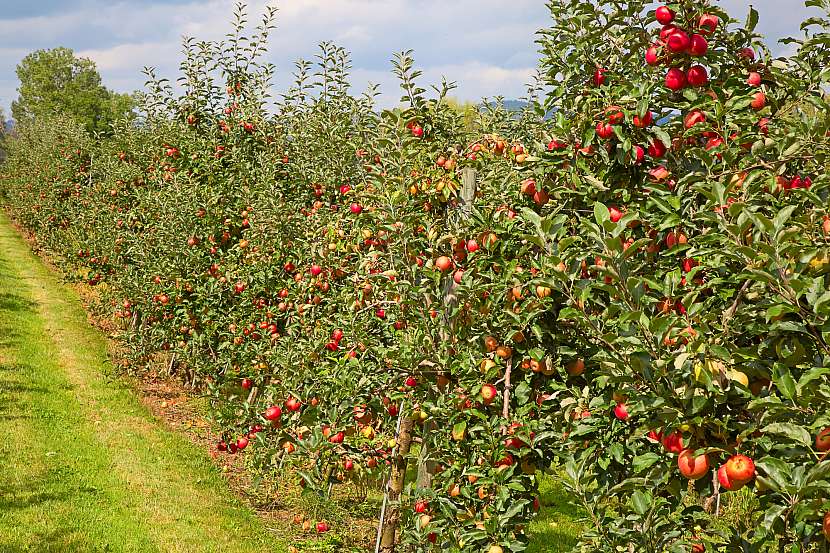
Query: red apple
x=726, y=482
x=421, y=506
x=691, y=466
x=753, y=79
x=664, y=15
x=823, y=439
x=247, y=383
x=273, y=413
x=708, y=23
x=615, y=213
x=673, y=442
x=599, y=77
x=242, y=442
x=356, y=208
x=621, y=411
x=675, y=79
x=759, y=101
x=656, y=148
x=411, y=382
x=697, y=76
x=653, y=55
x=678, y=41
x=322, y=527
x=443, y=263
x=644, y=121
x=698, y=45
x=693, y=118
x=747, y=54
x=488, y=393
x=604, y=131
x=740, y=468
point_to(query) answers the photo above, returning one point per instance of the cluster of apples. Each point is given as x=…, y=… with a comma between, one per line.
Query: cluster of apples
x=678, y=47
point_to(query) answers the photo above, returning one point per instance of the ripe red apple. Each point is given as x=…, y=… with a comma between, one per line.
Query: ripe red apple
x=273, y=413
x=348, y=465
x=242, y=442
x=247, y=383
x=604, y=131
x=823, y=440
x=337, y=438
x=740, y=468
x=726, y=482
x=337, y=335
x=708, y=23
x=417, y=131
x=698, y=45
x=639, y=154
x=488, y=393
x=599, y=77
x=673, y=442
x=316, y=270
x=644, y=121
x=759, y=101
x=356, y=208
x=529, y=185
x=621, y=412
x=653, y=55
x=443, y=263
x=656, y=148
x=472, y=246
x=457, y=276
x=691, y=466
x=421, y=506
x=697, y=76
x=753, y=79
x=615, y=213
x=678, y=41
x=693, y=118
x=293, y=404
x=664, y=15
x=747, y=54
x=675, y=79
x=411, y=382
x=322, y=527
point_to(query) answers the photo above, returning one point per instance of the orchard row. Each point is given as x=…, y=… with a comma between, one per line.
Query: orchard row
x=631, y=292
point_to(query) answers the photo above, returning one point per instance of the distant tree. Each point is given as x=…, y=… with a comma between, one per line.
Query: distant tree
x=55, y=81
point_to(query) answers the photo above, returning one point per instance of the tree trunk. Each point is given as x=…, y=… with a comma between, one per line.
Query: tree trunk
x=394, y=489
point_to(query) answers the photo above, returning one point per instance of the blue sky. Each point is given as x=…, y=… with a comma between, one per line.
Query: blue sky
x=485, y=45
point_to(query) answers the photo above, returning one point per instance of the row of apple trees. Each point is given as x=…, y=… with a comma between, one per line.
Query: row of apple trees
x=627, y=280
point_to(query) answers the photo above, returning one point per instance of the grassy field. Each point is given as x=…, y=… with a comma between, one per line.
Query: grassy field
x=85, y=467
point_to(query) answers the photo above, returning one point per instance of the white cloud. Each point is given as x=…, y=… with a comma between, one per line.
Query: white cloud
x=486, y=46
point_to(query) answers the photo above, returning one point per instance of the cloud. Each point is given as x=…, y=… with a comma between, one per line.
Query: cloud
x=486, y=46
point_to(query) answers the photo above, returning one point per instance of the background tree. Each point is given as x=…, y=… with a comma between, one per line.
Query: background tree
x=55, y=81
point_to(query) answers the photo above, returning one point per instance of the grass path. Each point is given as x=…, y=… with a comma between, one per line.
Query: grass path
x=83, y=465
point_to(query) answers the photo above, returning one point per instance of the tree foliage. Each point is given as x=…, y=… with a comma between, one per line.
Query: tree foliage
x=56, y=82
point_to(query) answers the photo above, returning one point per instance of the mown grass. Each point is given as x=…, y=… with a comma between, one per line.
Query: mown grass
x=83, y=465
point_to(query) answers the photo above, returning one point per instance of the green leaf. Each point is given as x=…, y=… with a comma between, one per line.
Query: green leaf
x=641, y=502
x=790, y=430
x=601, y=213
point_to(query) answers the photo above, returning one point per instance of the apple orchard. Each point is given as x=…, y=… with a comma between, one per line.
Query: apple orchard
x=630, y=291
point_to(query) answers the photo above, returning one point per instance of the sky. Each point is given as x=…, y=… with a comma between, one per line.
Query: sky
x=486, y=46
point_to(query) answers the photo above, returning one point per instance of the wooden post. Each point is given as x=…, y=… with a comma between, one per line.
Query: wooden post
x=394, y=489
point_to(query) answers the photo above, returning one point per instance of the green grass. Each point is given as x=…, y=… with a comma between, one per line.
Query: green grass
x=556, y=529
x=83, y=465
